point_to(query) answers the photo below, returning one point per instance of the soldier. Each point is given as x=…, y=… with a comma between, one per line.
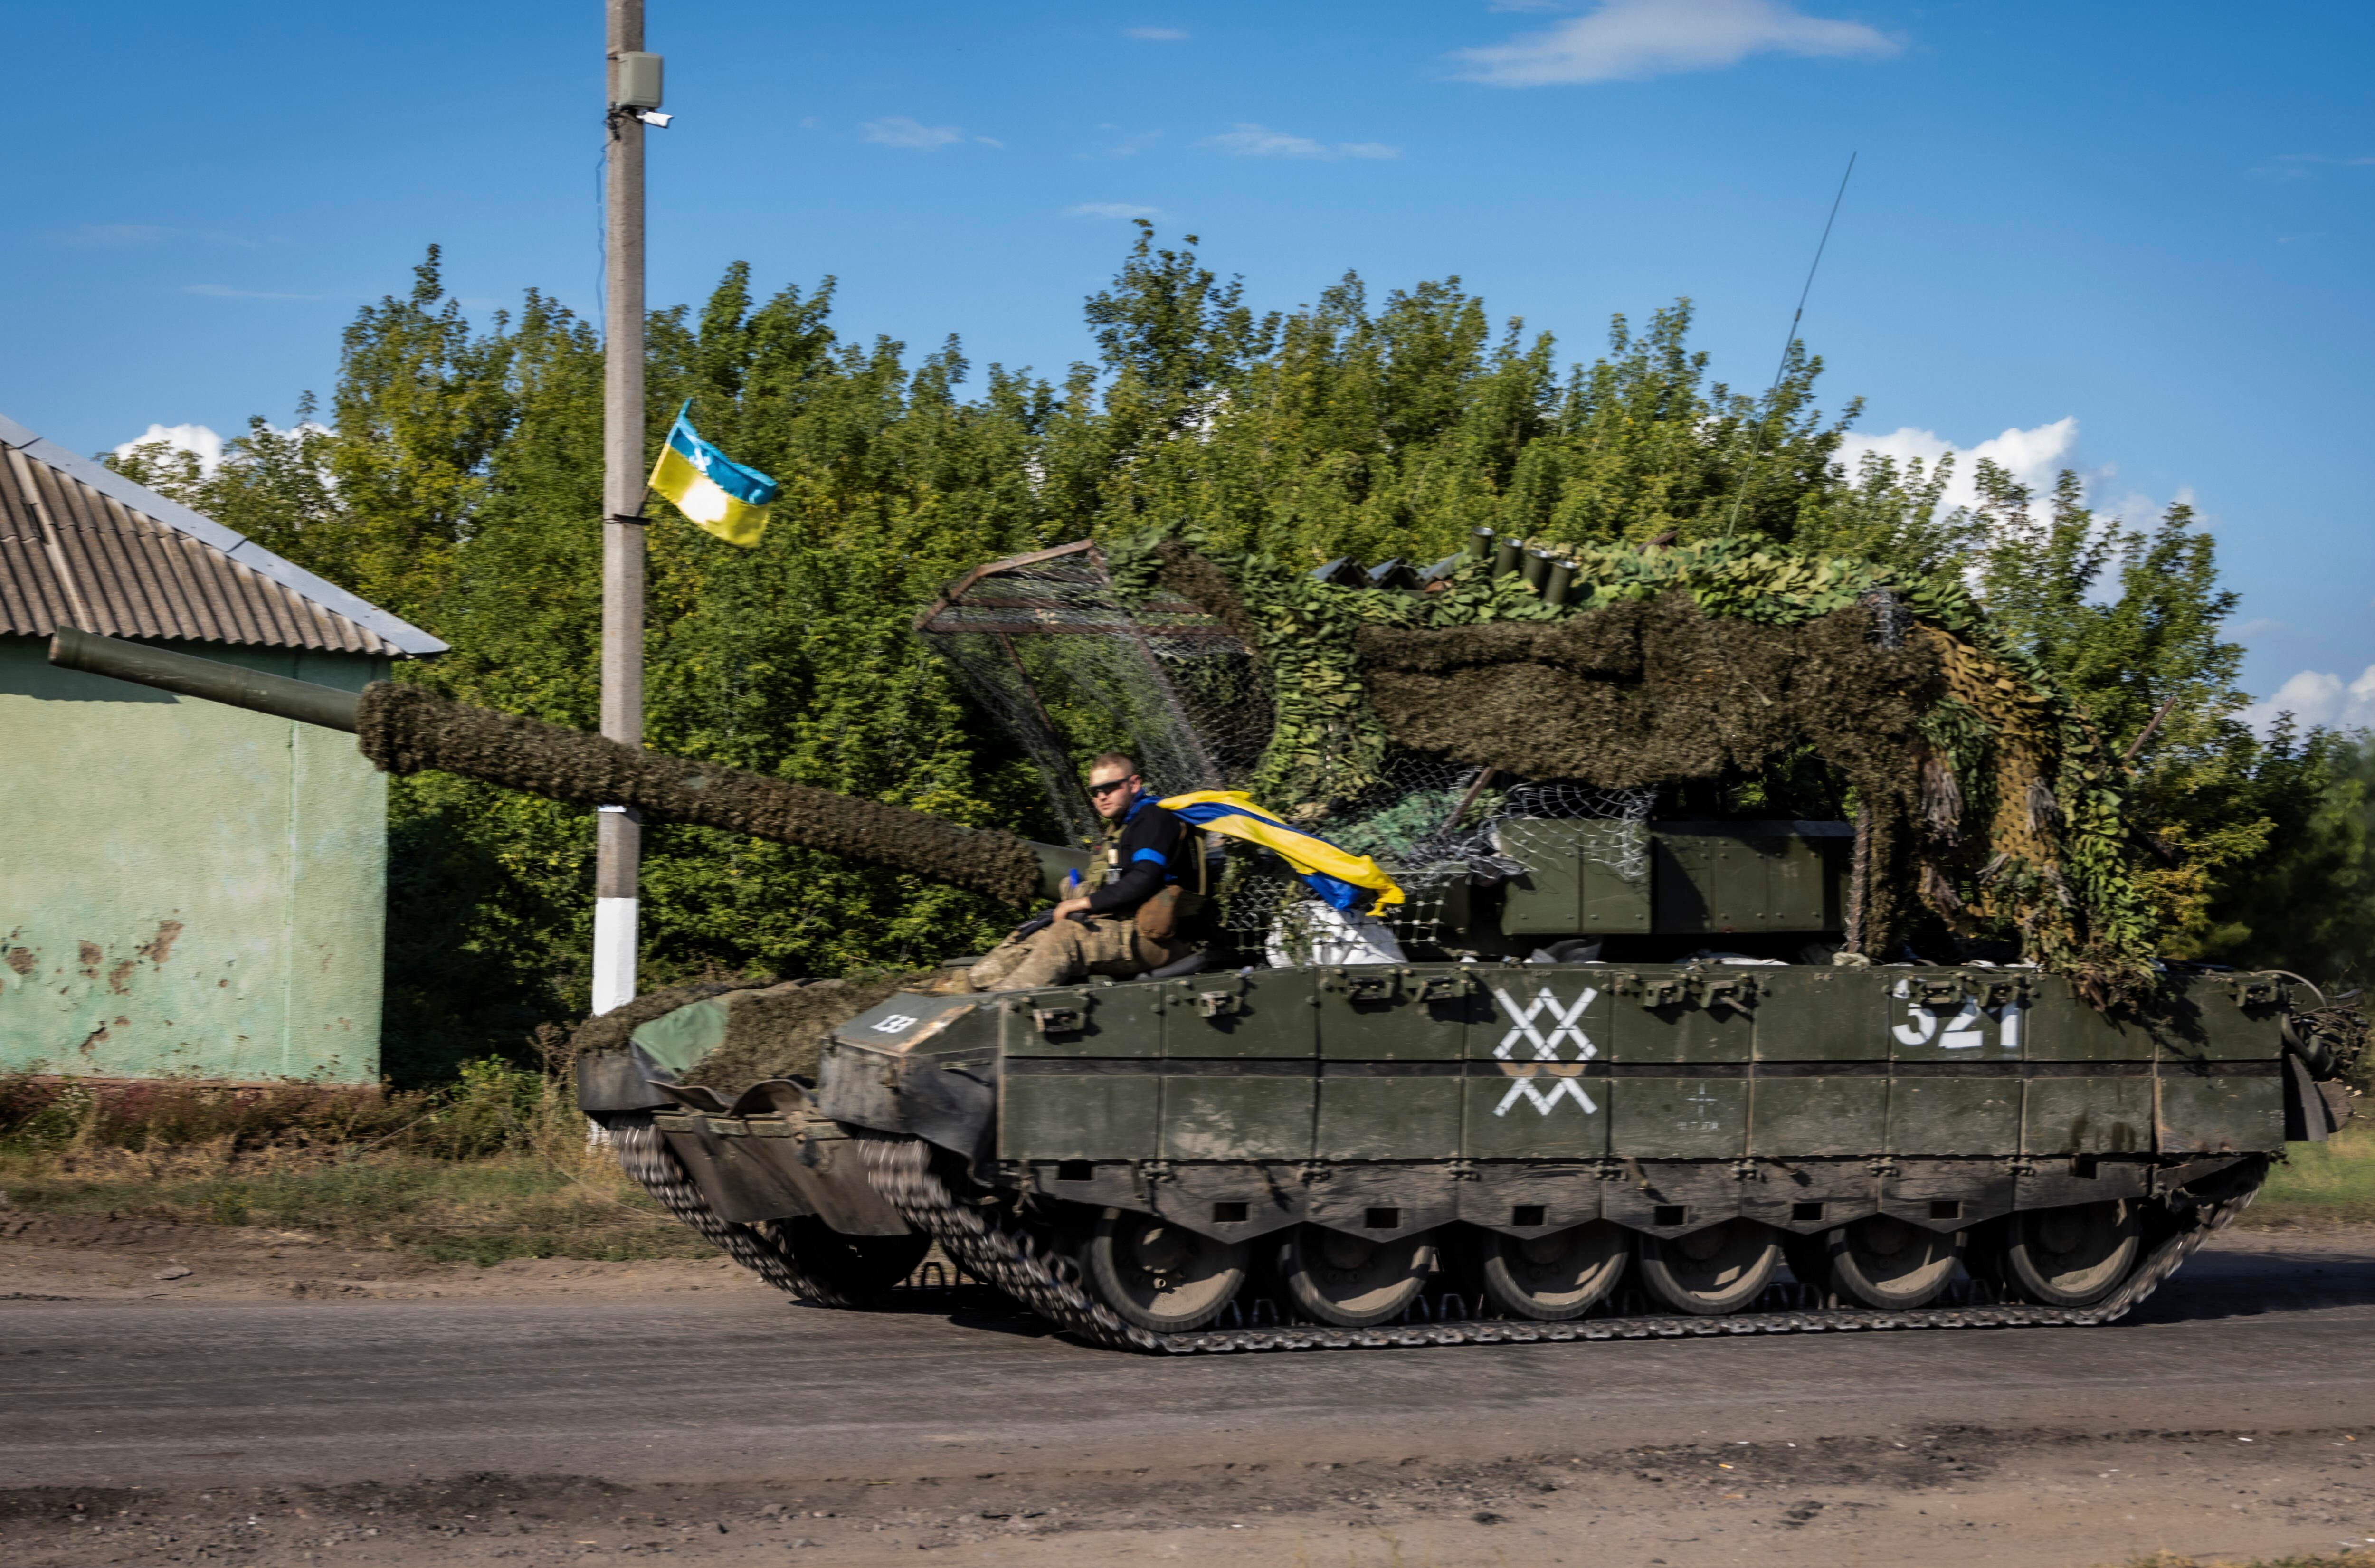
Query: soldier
x=1140, y=895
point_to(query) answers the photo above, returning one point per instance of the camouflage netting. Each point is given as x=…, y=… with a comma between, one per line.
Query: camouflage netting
x=1651, y=691
x=406, y=728
x=779, y=1031
x=611, y=1030
x=1983, y=797
x=772, y=1029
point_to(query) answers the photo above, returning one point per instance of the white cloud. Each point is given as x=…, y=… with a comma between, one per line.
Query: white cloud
x=2035, y=457
x=2032, y=456
x=1112, y=209
x=199, y=439
x=225, y=292
x=1259, y=141
x=1157, y=35
x=2317, y=697
x=1627, y=40
x=898, y=130
x=203, y=440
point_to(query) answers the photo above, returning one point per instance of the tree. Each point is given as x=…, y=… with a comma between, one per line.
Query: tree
x=458, y=483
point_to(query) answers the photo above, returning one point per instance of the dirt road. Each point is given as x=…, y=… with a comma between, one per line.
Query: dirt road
x=578, y=1418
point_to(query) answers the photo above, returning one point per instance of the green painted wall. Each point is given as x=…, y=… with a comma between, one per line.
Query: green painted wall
x=186, y=889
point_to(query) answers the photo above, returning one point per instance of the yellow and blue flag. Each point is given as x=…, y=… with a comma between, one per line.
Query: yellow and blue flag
x=1340, y=878
x=709, y=488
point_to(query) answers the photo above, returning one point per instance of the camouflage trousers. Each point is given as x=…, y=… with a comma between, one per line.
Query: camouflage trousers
x=1070, y=951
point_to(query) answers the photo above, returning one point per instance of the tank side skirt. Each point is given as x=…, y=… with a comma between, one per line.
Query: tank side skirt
x=994, y=1248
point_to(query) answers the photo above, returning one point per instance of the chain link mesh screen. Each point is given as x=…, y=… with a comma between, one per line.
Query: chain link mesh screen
x=1070, y=669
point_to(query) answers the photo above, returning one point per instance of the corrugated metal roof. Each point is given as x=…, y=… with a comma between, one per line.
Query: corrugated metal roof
x=82, y=546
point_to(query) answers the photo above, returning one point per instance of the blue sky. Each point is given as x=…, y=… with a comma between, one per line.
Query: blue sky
x=2126, y=240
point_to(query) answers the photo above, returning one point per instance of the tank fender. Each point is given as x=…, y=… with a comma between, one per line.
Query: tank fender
x=2308, y=1113
x=888, y=1090
x=767, y=1156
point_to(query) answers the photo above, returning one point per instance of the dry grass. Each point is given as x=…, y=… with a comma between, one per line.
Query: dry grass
x=2321, y=1184
x=495, y=1167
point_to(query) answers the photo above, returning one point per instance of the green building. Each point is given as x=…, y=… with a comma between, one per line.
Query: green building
x=186, y=890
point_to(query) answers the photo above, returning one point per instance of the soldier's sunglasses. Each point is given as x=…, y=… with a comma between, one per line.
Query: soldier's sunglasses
x=1108, y=788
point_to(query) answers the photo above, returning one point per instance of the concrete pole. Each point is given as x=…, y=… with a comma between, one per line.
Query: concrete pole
x=620, y=833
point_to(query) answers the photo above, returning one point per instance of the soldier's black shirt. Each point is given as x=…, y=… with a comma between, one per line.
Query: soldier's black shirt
x=1156, y=848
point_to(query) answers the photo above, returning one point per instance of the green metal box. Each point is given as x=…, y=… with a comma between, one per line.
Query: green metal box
x=1570, y=886
x=1719, y=877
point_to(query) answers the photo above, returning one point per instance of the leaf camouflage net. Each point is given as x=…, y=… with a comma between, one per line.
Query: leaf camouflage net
x=1416, y=719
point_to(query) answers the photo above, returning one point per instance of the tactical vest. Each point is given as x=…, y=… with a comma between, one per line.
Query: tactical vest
x=1165, y=915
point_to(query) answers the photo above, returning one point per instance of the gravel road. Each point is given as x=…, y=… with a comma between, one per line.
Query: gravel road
x=732, y=1426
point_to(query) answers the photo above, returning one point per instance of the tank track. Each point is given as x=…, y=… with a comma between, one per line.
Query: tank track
x=644, y=1155
x=987, y=1243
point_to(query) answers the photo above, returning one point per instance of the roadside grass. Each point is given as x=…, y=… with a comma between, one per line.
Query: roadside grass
x=2321, y=1184
x=497, y=1166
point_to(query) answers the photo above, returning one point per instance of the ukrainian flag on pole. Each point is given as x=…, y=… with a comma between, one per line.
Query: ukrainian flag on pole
x=1338, y=877
x=709, y=488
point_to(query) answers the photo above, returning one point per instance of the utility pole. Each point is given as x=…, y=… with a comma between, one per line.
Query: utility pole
x=631, y=76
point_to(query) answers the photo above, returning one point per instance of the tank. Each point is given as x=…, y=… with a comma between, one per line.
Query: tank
x=1604, y=1072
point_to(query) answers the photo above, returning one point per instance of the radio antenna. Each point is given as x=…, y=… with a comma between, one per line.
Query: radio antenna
x=1740, y=493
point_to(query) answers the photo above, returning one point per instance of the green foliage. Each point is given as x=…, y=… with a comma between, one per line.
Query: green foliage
x=459, y=486
x=2308, y=903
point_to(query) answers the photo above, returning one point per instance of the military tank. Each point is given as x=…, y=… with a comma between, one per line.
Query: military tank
x=1608, y=1069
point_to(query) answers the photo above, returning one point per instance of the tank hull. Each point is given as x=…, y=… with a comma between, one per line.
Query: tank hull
x=1446, y=1106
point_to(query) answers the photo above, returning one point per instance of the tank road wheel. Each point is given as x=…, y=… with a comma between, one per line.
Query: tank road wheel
x=859, y=1269
x=1160, y=1277
x=1562, y=1275
x=1883, y=1262
x=1352, y=1281
x=2073, y=1256
x=1714, y=1271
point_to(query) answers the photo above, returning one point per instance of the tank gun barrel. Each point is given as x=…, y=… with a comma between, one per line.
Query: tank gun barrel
x=185, y=675
x=406, y=729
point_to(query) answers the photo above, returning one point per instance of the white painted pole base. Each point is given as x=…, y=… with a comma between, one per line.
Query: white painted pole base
x=614, y=953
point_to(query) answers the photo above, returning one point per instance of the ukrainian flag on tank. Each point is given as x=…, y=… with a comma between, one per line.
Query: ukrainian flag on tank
x=1339, y=879
x=709, y=488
